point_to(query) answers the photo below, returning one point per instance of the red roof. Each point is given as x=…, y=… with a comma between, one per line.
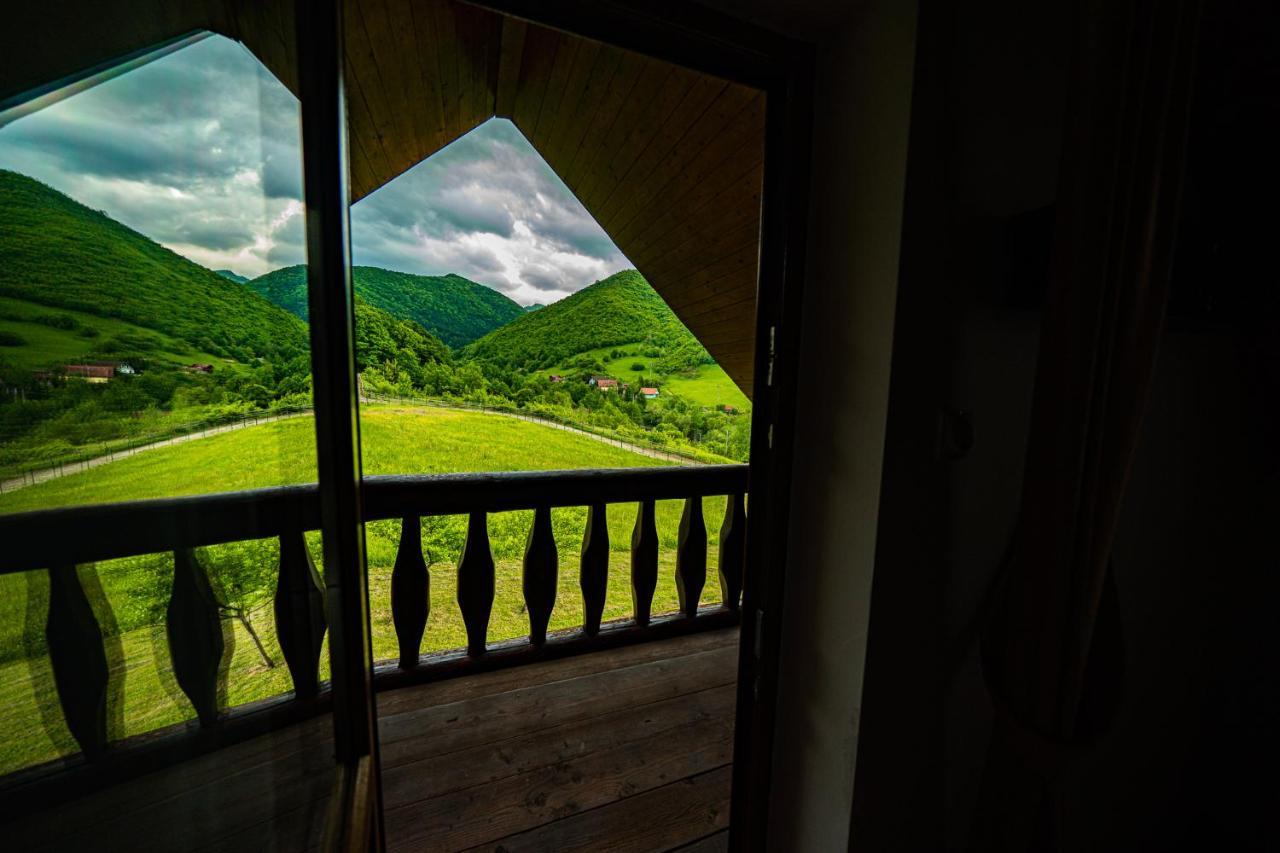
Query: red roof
x=90, y=371
x=648, y=390
x=607, y=383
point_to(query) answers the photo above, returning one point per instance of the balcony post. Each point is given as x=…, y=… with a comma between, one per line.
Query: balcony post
x=594, y=575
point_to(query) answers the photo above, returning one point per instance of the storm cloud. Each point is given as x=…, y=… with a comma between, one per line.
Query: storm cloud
x=200, y=151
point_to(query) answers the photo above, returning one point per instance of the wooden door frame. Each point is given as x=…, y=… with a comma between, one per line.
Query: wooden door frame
x=354, y=817
x=701, y=39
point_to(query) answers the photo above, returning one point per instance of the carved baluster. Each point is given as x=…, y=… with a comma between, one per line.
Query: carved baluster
x=733, y=550
x=299, y=610
x=475, y=583
x=410, y=592
x=194, y=626
x=78, y=659
x=594, y=576
x=691, y=557
x=541, y=567
x=644, y=562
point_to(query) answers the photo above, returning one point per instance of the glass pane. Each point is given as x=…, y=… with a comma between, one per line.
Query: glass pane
x=138, y=360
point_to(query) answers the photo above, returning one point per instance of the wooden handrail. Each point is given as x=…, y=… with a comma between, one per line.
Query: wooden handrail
x=85, y=534
x=57, y=540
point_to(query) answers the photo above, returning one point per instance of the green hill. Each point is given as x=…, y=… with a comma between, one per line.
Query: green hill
x=622, y=309
x=57, y=253
x=454, y=309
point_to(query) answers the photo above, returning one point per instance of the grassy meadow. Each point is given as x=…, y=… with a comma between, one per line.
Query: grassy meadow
x=394, y=440
x=706, y=385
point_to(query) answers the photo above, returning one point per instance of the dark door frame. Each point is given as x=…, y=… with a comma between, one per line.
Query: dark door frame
x=704, y=40
x=354, y=819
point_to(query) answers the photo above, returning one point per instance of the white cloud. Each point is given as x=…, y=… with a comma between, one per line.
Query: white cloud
x=199, y=151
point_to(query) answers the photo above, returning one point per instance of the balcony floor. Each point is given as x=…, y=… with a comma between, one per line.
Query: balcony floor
x=622, y=750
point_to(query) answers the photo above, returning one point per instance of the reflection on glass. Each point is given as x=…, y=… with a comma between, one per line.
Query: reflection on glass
x=140, y=359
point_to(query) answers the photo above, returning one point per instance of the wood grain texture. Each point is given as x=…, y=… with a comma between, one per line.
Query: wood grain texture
x=78, y=660
x=661, y=819
x=691, y=557
x=733, y=550
x=540, y=575
x=593, y=575
x=194, y=628
x=476, y=582
x=410, y=591
x=299, y=612
x=644, y=562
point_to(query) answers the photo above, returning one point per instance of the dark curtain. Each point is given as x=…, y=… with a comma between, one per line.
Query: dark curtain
x=1051, y=649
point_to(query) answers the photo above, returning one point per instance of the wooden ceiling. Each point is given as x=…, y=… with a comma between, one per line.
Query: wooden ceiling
x=669, y=161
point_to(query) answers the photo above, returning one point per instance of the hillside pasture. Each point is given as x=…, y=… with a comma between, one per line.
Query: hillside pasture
x=395, y=440
x=708, y=385
x=47, y=346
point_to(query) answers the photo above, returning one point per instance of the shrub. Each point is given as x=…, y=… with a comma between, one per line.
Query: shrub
x=11, y=339
x=58, y=321
x=637, y=367
x=89, y=332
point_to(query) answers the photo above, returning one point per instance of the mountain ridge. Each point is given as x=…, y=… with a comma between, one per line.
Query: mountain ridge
x=620, y=309
x=454, y=309
x=59, y=253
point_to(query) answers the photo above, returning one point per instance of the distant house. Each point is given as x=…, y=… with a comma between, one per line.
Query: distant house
x=90, y=372
x=649, y=393
x=555, y=377
x=729, y=410
x=604, y=383
x=199, y=368
x=125, y=370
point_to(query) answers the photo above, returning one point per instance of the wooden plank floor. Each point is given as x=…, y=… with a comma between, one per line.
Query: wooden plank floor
x=625, y=750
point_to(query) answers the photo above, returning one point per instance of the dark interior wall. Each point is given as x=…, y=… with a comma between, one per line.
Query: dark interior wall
x=863, y=97
x=1193, y=744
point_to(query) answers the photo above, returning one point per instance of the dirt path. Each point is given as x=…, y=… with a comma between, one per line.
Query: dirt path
x=32, y=478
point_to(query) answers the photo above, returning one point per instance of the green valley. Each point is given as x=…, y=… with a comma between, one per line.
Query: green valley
x=394, y=440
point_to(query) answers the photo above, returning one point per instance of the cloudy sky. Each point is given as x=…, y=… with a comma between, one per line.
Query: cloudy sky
x=199, y=150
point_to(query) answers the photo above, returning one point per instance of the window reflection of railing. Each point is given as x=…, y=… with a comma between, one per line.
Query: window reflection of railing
x=57, y=540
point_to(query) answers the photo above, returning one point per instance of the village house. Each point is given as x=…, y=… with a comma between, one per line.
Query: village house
x=603, y=383
x=555, y=377
x=649, y=393
x=199, y=368
x=90, y=372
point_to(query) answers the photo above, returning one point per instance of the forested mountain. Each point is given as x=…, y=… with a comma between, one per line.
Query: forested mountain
x=58, y=253
x=454, y=309
x=232, y=276
x=622, y=309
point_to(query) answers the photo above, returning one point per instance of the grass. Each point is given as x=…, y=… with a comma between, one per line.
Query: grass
x=48, y=347
x=707, y=386
x=395, y=440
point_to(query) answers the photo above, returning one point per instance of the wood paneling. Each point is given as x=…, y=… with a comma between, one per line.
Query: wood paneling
x=668, y=161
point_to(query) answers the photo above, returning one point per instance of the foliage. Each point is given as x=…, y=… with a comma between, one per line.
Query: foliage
x=450, y=307
x=57, y=252
x=622, y=309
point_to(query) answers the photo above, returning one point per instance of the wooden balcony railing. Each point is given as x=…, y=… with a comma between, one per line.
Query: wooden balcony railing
x=57, y=540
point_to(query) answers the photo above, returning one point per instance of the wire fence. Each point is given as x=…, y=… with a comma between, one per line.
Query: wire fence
x=94, y=455
x=91, y=456
x=636, y=444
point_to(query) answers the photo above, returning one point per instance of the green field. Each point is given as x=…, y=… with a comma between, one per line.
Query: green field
x=394, y=441
x=46, y=346
x=708, y=385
